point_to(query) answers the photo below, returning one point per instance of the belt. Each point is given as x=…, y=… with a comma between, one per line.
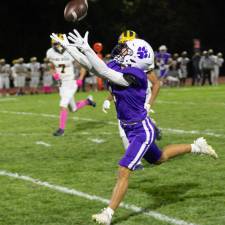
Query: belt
x=132, y=123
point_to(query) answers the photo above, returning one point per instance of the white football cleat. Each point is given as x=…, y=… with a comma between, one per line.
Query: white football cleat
x=200, y=146
x=103, y=218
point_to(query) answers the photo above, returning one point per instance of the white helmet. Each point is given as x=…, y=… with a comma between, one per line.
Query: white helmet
x=162, y=48
x=136, y=53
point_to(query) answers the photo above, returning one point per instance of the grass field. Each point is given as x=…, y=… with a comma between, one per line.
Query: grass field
x=189, y=188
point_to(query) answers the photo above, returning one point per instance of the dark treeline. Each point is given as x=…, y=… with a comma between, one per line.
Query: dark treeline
x=25, y=25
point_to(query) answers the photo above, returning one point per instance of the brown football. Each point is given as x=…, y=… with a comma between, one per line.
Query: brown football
x=75, y=10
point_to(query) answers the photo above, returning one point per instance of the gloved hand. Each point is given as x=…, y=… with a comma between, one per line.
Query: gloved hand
x=78, y=41
x=63, y=42
x=79, y=83
x=106, y=106
x=148, y=108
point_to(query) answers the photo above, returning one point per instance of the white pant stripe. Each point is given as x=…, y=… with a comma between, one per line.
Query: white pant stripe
x=143, y=146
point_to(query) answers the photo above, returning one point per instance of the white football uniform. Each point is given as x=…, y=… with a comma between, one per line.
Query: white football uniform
x=217, y=63
x=47, y=77
x=5, y=72
x=35, y=74
x=183, y=72
x=20, y=73
x=64, y=65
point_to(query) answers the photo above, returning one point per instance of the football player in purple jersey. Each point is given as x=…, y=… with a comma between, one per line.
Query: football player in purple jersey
x=162, y=61
x=128, y=84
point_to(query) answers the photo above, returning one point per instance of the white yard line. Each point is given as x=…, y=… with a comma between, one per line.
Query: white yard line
x=189, y=103
x=169, y=130
x=96, y=140
x=8, y=99
x=153, y=214
x=42, y=143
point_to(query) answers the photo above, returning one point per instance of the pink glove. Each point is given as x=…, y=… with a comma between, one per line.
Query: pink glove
x=79, y=83
x=56, y=76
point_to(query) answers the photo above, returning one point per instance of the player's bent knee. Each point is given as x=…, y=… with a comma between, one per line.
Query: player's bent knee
x=124, y=173
x=162, y=159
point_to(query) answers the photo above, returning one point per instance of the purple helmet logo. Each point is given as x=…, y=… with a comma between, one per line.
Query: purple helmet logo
x=142, y=53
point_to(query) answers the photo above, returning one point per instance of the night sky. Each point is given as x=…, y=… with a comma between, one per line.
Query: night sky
x=26, y=24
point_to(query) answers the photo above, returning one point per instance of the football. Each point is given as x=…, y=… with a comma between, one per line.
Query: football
x=75, y=10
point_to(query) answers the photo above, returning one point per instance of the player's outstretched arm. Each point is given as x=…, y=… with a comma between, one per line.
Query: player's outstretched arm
x=99, y=65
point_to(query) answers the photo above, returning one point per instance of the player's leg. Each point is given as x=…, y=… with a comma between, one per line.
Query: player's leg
x=1, y=85
x=123, y=136
x=155, y=156
x=126, y=143
x=7, y=86
x=88, y=101
x=140, y=138
x=66, y=95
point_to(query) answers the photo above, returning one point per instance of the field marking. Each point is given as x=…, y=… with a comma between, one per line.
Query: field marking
x=42, y=143
x=153, y=214
x=8, y=99
x=169, y=130
x=96, y=140
x=189, y=103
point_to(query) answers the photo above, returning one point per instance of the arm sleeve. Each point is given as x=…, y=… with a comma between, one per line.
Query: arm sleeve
x=103, y=70
x=79, y=57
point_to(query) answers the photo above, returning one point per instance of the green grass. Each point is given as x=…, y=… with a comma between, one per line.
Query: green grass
x=190, y=187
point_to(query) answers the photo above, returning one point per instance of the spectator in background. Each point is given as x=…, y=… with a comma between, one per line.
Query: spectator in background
x=206, y=65
x=35, y=74
x=183, y=71
x=20, y=73
x=173, y=77
x=162, y=61
x=5, y=73
x=47, y=76
x=90, y=82
x=217, y=63
x=196, y=74
x=214, y=62
x=217, y=66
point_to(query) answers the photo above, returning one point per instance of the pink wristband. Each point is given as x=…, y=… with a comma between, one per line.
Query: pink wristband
x=79, y=83
x=56, y=76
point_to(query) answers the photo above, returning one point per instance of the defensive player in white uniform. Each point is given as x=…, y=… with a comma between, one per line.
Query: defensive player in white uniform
x=5, y=72
x=63, y=72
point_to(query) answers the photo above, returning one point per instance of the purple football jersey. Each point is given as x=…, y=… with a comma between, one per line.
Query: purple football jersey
x=129, y=101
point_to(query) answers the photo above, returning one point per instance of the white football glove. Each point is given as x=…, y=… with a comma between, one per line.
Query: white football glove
x=78, y=41
x=72, y=50
x=148, y=108
x=106, y=106
x=63, y=42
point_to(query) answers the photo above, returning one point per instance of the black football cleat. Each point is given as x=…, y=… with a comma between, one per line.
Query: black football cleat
x=59, y=132
x=90, y=101
x=158, y=133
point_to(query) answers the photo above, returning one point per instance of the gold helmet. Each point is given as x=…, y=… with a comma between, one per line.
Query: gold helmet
x=33, y=59
x=127, y=35
x=2, y=61
x=59, y=36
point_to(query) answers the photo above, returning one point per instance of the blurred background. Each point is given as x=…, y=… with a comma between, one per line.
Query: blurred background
x=26, y=24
